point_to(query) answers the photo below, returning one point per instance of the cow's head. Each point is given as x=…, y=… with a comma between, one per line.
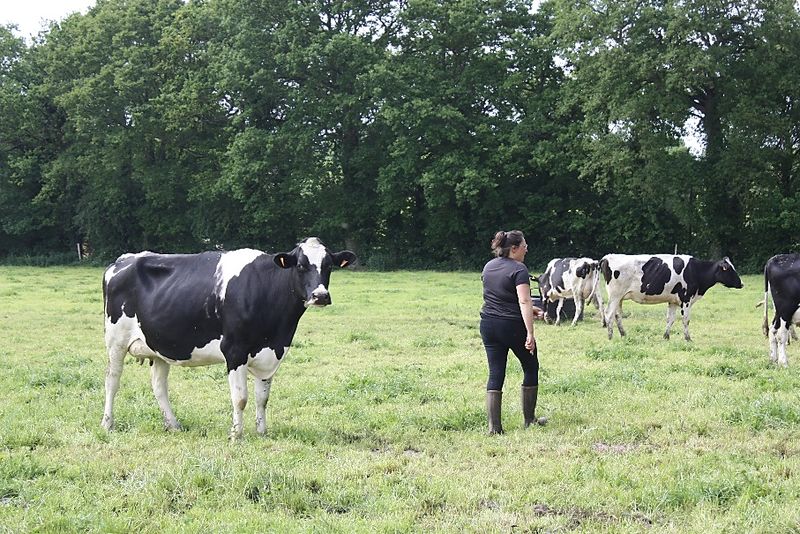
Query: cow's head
x=312, y=262
x=727, y=275
x=544, y=284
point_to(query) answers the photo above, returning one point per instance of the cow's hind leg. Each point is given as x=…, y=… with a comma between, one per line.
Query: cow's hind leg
x=237, y=379
x=558, y=311
x=116, y=359
x=598, y=303
x=159, y=373
x=773, y=341
x=781, y=337
x=671, y=309
x=614, y=314
x=262, y=388
x=580, y=303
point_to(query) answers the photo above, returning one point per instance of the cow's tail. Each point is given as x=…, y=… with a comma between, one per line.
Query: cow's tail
x=765, y=326
x=595, y=283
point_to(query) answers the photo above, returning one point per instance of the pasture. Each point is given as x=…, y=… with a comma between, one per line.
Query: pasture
x=376, y=422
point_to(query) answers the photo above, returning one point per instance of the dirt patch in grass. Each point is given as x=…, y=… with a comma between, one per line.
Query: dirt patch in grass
x=578, y=516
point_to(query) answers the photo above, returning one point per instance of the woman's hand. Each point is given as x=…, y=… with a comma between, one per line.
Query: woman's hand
x=538, y=313
x=530, y=342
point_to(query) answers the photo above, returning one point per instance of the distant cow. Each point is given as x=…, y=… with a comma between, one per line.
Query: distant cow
x=575, y=278
x=782, y=281
x=678, y=280
x=240, y=308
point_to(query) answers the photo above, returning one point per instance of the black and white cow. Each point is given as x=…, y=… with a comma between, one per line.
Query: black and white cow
x=575, y=278
x=678, y=280
x=240, y=308
x=782, y=281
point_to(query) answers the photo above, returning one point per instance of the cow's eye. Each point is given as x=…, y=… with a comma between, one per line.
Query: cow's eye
x=724, y=268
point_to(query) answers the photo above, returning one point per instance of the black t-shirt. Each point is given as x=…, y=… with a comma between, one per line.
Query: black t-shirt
x=501, y=276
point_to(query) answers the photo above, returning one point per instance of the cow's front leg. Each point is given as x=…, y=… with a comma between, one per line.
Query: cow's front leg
x=237, y=379
x=686, y=311
x=159, y=373
x=558, y=311
x=671, y=309
x=262, y=388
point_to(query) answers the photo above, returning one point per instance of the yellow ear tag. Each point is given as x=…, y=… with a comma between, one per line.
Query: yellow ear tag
x=282, y=260
x=344, y=263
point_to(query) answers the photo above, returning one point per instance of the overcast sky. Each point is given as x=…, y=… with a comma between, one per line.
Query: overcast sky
x=30, y=15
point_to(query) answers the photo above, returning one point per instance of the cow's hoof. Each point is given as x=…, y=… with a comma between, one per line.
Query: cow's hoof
x=666, y=336
x=107, y=423
x=687, y=338
x=173, y=427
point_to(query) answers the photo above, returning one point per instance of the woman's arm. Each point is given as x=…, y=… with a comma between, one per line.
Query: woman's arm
x=526, y=308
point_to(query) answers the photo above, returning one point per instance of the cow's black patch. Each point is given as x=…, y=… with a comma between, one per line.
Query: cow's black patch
x=680, y=291
x=175, y=303
x=616, y=274
x=655, y=275
x=677, y=264
x=782, y=276
x=605, y=269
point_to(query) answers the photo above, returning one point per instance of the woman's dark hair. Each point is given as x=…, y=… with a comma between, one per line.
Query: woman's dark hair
x=503, y=241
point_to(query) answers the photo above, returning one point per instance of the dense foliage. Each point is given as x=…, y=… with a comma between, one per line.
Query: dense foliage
x=406, y=130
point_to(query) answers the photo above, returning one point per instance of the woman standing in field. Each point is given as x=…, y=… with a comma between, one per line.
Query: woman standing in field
x=507, y=323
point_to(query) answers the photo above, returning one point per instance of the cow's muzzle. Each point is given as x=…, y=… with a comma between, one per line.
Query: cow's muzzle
x=318, y=299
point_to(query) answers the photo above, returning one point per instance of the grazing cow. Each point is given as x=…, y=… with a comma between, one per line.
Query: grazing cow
x=652, y=279
x=575, y=278
x=240, y=308
x=782, y=281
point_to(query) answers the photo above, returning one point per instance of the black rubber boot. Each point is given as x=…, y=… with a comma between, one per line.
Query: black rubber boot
x=494, y=403
x=529, y=394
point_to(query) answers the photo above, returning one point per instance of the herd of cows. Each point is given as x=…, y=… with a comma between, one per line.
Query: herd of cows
x=679, y=281
x=242, y=307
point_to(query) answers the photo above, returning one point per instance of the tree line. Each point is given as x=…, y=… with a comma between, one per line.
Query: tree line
x=408, y=131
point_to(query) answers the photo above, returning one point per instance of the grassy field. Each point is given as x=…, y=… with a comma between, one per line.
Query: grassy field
x=376, y=422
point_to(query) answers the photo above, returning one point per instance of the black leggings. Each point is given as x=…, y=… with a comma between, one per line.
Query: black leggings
x=499, y=335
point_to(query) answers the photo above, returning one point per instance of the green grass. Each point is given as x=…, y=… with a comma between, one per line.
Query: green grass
x=376, y=422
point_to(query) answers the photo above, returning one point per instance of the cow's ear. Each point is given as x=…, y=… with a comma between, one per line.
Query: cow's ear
x=285, y=261
x=343, y=258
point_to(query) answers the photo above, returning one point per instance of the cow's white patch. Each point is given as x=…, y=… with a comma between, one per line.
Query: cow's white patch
x=315, y=251
x=796, y=316
x=265, y=362
x=209, y=354
x=115, y=269
x=230, y=265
